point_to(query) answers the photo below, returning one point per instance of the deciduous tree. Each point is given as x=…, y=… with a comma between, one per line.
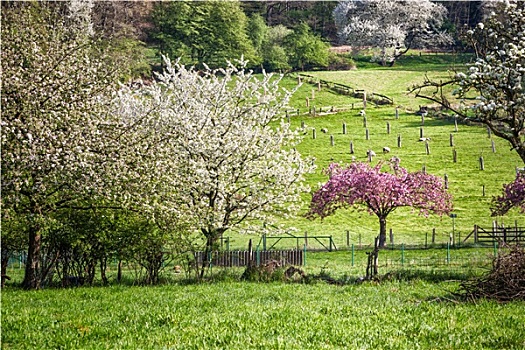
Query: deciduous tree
x=222, y=157
x=306, y=50
x=391, y=26
x=210, y=32
x=54, y=81
x=513, y=196
x=492, y=91
x=380, y=192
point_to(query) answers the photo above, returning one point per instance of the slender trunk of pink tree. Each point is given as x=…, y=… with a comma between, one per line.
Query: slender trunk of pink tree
x=382, y=231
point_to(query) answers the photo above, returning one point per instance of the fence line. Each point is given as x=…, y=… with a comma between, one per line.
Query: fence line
x=343, y=89
x=242, y=258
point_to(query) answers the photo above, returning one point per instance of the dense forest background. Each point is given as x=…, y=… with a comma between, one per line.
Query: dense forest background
x=274, y=35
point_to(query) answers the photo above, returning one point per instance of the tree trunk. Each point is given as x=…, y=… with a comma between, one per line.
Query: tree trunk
x=5, y=263
x=382, y=232
x=32, y=270
x=119, y=270
x=103, y=267
x=205, y=259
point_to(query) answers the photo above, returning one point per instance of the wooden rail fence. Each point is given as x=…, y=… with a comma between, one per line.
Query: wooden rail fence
x=241, y=258
x=512, y=234
x=342, y=89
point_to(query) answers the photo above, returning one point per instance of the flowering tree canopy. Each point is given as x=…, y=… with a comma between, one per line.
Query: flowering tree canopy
x=389, y=25
x=513, y=197
x=218, y=154
x=54, y=81
x=380, y=192
x=497, y=77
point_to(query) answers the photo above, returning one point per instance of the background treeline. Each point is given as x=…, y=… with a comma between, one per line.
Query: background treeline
x=274, y=35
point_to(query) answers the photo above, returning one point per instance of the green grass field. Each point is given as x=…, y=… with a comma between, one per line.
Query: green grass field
x=415, y=310
x=234, y=315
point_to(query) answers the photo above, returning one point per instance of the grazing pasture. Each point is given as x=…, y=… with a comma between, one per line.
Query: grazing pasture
x=454, y=151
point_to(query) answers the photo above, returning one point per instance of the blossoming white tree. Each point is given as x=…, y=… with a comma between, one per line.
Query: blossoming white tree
x=221, y=156
x=391, y=26
x=53, y=81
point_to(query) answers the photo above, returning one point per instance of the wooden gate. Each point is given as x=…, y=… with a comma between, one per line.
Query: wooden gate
x=498, y=234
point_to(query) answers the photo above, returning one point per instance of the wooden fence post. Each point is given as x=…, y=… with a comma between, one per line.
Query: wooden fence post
x=306, y=238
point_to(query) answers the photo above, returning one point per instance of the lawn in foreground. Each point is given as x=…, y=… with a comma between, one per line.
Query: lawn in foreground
x=233, y=315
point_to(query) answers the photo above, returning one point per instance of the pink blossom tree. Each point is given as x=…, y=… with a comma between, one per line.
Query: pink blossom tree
x=380, y=192
x=513, y=197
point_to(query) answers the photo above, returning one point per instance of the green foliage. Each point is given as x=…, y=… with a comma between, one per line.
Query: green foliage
x=132, y=56
x=305, y=49
x=202, y=32
x=257, y=32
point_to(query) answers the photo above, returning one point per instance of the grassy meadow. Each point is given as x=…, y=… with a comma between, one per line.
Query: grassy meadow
x=414, y=309
x=235, y=315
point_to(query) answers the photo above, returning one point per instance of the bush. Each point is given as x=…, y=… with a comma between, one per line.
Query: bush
x=504, y=282
x=340, y=62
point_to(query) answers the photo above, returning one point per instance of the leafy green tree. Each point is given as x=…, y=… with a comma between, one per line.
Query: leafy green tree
x=210, y=32
x=275, y=56
x=257, y=32
x=306, y=50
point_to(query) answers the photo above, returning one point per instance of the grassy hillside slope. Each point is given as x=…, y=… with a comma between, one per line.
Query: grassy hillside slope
x=471, y=187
